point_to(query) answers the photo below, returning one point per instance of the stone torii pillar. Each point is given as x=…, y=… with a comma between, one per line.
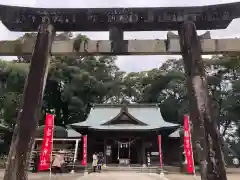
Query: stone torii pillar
x=28, y=117
x=208, y=141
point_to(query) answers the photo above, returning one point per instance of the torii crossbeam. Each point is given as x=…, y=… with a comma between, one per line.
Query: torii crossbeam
x=128, y=19
x=129, y=47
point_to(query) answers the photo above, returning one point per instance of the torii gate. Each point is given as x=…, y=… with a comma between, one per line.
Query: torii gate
x=186, y=20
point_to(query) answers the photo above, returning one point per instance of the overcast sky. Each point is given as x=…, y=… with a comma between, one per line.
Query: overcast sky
x=126, y=63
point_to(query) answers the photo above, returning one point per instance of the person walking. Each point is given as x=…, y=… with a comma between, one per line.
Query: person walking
x=100, y=161
x=94, y=161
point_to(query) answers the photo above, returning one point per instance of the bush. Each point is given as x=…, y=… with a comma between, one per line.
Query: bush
x=59, y=132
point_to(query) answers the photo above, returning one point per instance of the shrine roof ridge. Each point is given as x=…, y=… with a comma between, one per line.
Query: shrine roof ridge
x=128, y=19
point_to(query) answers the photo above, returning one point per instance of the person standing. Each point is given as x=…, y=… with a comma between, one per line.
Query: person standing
x=58, y=163
x=94, y=161
x=100, y=161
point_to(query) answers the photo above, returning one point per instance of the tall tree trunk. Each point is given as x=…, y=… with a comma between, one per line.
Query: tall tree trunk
x=24, y=132
x=208, y=143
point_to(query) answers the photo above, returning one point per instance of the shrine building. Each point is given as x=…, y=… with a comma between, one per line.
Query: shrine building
x=128, y=134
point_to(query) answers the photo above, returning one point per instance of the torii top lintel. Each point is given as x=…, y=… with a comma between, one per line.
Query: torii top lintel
x=128, y=19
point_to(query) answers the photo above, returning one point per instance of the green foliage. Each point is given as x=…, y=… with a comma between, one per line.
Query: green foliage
x=12, y=79
x=75, y=83
x=78, y=40
x=59, y=132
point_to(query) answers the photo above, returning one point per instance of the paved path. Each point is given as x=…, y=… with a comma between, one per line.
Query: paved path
x=141, y=176
x=120, y=176
x=45, y=176
x=116, y=176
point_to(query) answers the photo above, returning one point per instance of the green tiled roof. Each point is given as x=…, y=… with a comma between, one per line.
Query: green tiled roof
x=148, y=114
x=71, y=133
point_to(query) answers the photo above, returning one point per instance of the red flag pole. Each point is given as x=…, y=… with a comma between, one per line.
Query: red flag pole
x=160, y=155
x=160, y=151
x=47, y=144
x=188, y=147
x=190, y=136
x=51, y=158
x=84, y=161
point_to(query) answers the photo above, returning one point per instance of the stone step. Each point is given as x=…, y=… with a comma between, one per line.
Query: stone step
x=167, y=169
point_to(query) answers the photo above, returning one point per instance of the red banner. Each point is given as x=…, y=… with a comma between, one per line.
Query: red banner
x=188, y=146
x=84, y=161
x=160, y=150
x=45, y=155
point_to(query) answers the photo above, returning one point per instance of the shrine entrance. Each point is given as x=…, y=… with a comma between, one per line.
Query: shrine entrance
x=124, y=152
x=185, y=20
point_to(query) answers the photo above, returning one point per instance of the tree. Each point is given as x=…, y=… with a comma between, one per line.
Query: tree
x=74, y=84
x=79, y=83
x=12, y=83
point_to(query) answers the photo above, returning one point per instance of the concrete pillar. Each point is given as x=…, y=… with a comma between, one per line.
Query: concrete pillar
x=143, y=153
x=75, y=154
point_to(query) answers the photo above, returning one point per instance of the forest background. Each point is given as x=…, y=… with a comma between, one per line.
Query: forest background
x=74, y=84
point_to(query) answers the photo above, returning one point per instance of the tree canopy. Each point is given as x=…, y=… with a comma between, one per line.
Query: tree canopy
x=74, y=84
